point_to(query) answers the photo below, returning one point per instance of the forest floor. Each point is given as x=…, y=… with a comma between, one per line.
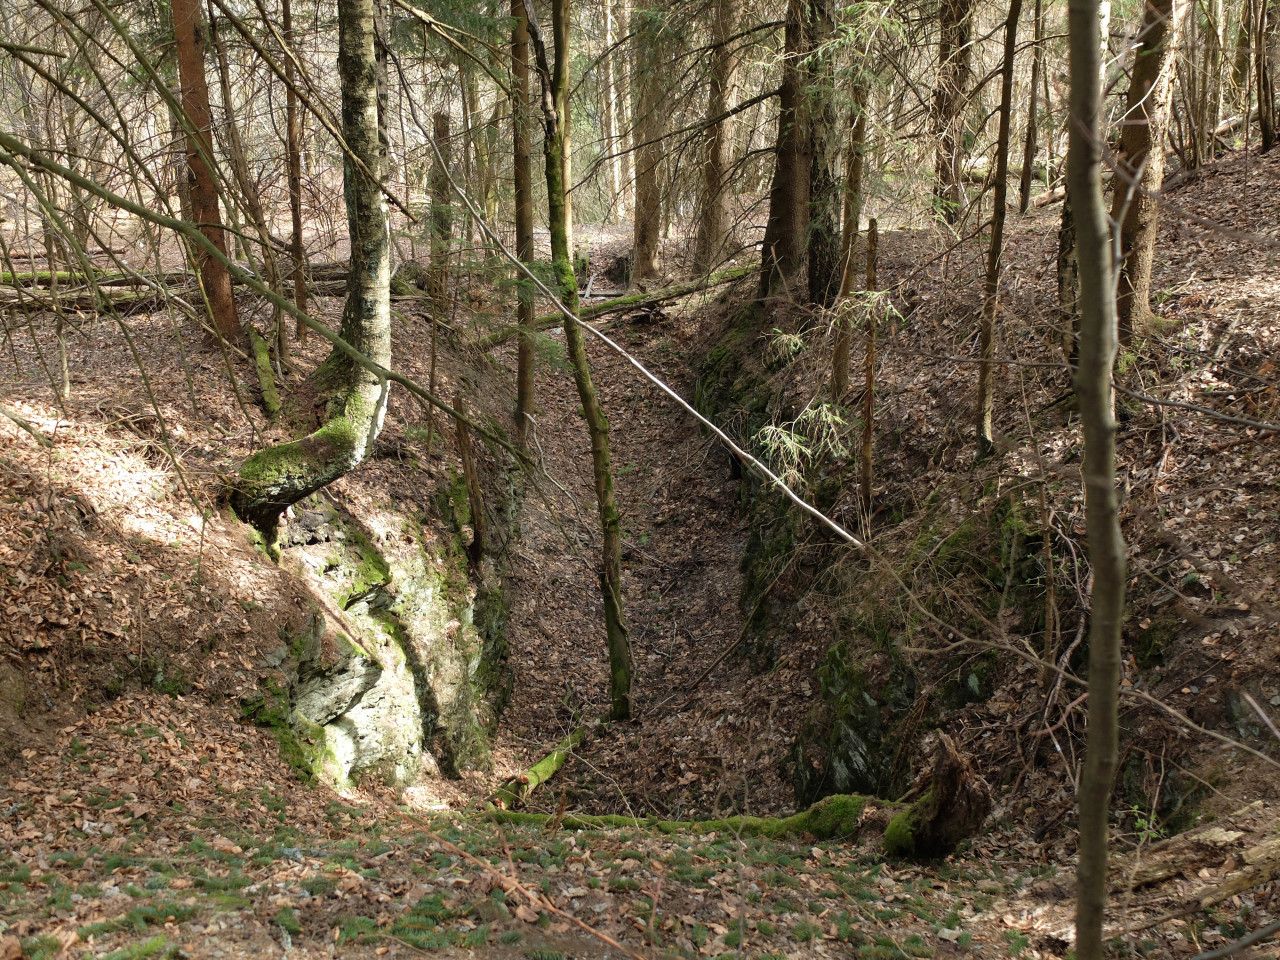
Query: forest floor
x=153, y=821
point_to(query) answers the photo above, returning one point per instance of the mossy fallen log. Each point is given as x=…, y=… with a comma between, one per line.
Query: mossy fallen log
x=518, y=789
x=954, y=803
x=633, y=301
x=838, y=817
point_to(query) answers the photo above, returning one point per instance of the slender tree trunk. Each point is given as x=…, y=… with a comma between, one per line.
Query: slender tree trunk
x=608, y=99
x=214, y=278
x=622, y=106
x=523, y=177
x=1068, y=270
x=277, y=477
x=713, y=226
x=991, y=287
x=1029, y=150
x=782, y=254
x=440, y=224
x=647, y=123
x=950, y=97
x=253, y=207
x=1140, y=161
x=1242, y=60
x=1105, y=543
x=854, y=170
x=293, y=168
x=825, y=265
x=555, y=112
x=866, y=473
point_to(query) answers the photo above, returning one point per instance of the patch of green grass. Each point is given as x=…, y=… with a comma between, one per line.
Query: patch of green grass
x=15, y=873
x=41, y=948
x=1017, y=942
x=287, y=918
x=804, y=931
x=621, y=884
x=535, y=953
x=509, y=937
x=319, y=886
x=155, y=946
x=139, y=918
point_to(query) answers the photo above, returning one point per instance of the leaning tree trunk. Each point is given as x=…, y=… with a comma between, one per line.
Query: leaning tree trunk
x=991, y=286
x=1105, y=543
x=277, y=477
x=854, y=169
x=782, y=254
x=215, y=280
x=646, y=89
x=555, y=114
x=954, y=56
x=522, y=176
x=1140, y=161
x=713, y=225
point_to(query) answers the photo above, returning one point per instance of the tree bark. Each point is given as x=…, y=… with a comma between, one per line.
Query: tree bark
x=277, y=477
x=202, y=185
x=825, y=265
x=954, y=56
x=782, y=254
x=866, y=453
x=647, y=125
x=713, y=226
x=522, y=175
x=555, y=114
x=991, y=285
x=1098, y=333
x=1140, y=161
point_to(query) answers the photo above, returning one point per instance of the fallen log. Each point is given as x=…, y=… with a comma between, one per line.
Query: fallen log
x=635, y=301
x=952, y=808
x=517, y=789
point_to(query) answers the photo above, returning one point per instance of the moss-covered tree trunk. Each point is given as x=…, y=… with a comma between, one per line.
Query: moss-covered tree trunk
x=273, y=479
x=555, y=114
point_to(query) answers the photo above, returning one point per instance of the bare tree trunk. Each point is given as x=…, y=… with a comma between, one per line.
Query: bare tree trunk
x=991, y=286
x=277, y=477
x=214, y=277
x=1140, y=161
x=1068, y=270
x=1029, y=150
x=555, y=113
x=782, y=255
x=950, y=97
x=1105, y=543
x=647, y=124
x=523, y=177
x=622, y=106
x=713, y=225
x=293, y=168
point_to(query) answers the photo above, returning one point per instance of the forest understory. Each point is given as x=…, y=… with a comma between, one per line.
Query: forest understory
x=148, y=814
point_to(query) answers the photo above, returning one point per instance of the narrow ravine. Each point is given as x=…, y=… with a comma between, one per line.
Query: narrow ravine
x=682, y=551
